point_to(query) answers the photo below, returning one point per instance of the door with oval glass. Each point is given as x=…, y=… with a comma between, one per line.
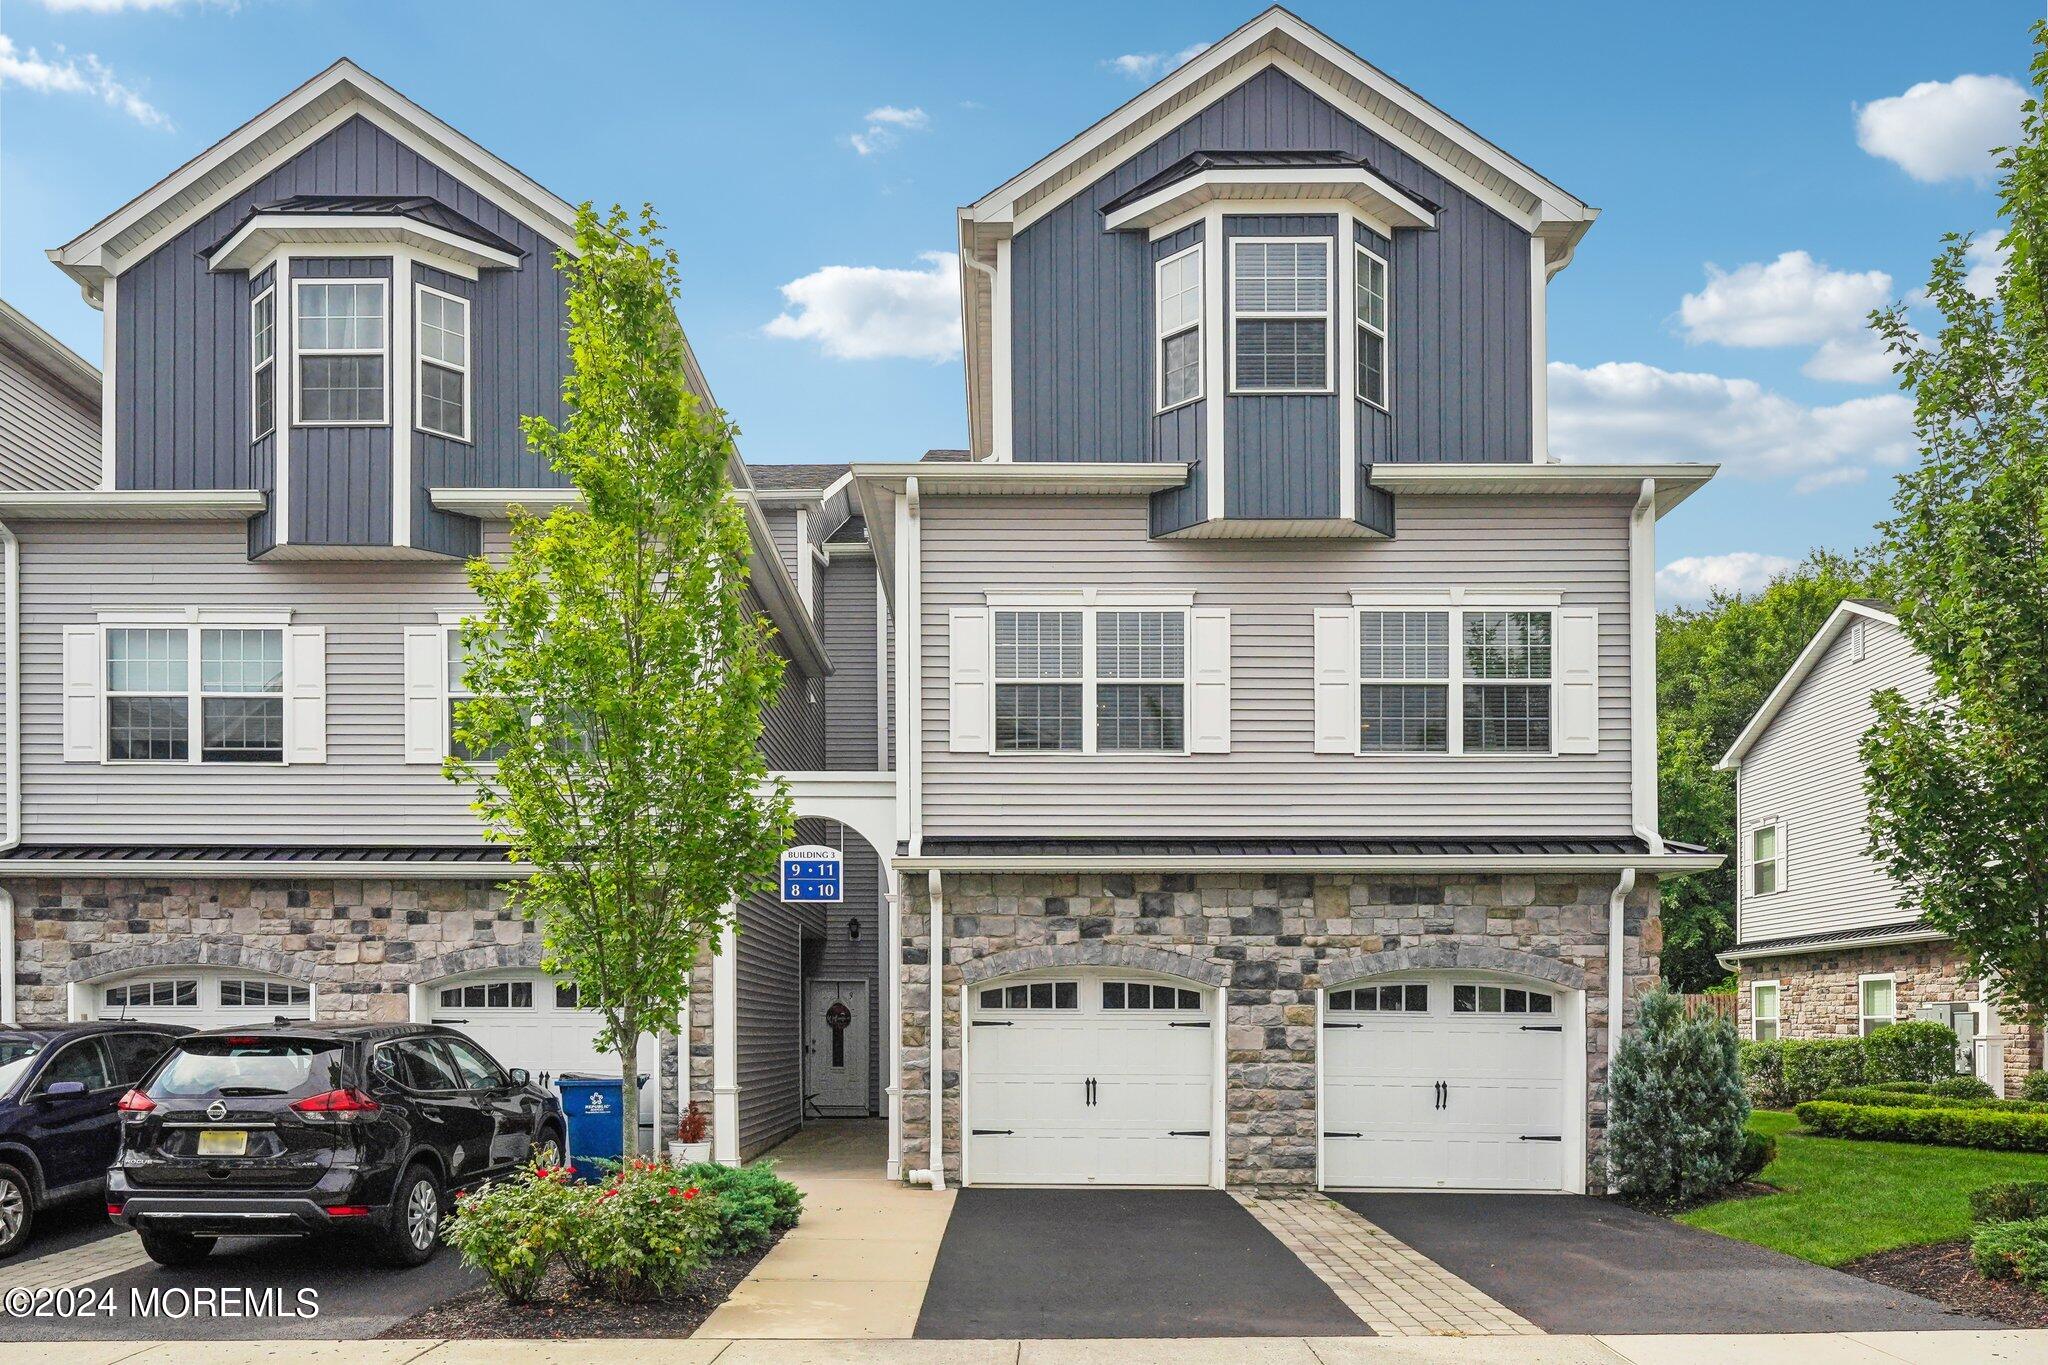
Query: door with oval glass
x=836, y=1048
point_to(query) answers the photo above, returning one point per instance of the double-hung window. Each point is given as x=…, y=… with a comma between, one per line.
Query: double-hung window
x=1455, y=680
x=263, y=364
x=1763, y=1011
x=158, y=709
x=456, y=688
x=1766, y=859
x=443, y=345
x=1879, y=1003
x=1091, y=680
x=1039, y=681
x=342, y=344
x=1140, y=680
x=1371, y=310
x=1280, y=314
x=1404, y=690
x=1178, y=288
x=1507, y=681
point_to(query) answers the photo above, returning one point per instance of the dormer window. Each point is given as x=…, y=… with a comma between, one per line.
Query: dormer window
x=342, y=348
x=1179, y=291
x=263, y=364
x=1280, y=314
x=1371, y=310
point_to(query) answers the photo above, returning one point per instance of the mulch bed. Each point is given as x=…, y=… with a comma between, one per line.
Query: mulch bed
x=564, y=1308
x=1942, y=1271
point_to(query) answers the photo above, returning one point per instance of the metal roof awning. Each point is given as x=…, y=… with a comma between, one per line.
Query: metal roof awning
x=1475, y=853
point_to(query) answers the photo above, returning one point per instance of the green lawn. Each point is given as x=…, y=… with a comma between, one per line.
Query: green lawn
x=1844, y=1199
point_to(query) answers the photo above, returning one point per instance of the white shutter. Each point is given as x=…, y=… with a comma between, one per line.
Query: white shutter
x=967, y=658
x=1336, y=680
x=426, y=658
x=1578, y=682
x=305, y=697
x=83, y=675
x=1209, y=680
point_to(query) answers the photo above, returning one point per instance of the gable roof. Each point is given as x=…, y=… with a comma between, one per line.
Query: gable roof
x=1851, y=609
x=342, y=91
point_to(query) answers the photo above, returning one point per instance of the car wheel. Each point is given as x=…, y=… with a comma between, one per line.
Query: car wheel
x=175, y=1248
x=415, y=1230
x=17, y=1210
x=547, y=1148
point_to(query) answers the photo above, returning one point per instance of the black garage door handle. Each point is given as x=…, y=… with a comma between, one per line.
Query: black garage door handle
x=1327, y=1026
x=993, y=1132
x=1188, y=1132
x=1343, y=1135
x=992, y=1023
x=1551, y=1137
x=1189, y=1023
x=1543, y=1028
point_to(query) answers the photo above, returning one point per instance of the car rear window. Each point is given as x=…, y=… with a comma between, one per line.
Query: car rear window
x=202, y=1067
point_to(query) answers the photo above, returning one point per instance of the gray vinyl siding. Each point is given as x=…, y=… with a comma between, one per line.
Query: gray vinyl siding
x=1806, y=771
x=781, y=519
x=49, y=438
x=1082, y=319
x=769, y=975
x=848, y=623
x=793, y=726
x=364, y=794
x=1272, y=782
x=181, y=362
x=842, y=957
x=341, y=476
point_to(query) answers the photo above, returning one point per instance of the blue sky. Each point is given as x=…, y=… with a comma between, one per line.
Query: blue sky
x=1766, y=171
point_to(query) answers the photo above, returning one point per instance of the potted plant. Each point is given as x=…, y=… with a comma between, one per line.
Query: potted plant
x=691, y=1145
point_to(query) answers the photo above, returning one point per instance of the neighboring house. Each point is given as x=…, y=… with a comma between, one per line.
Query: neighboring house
x=1823, y=946
x=49, y=409
x=238, y=643
x=1276, y=736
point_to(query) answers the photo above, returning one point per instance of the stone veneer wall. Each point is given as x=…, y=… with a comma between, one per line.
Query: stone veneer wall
x=1819, y=995
x=1269, y=940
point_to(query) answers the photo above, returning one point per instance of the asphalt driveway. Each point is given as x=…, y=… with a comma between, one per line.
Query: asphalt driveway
x=1575, y=1264
x=1120, y=1263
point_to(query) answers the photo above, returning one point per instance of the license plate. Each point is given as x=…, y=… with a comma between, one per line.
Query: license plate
x=223, y=1142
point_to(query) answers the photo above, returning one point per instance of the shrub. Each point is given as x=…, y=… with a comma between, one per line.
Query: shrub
x=1885, y=1096
x=2009, y=1201
x=749, y=1202
x=1758, y=1151
x=1952, y=1124
x=1905, y=1087
x=512, y=1230
x=642, y=1233
x=1676, y=1108
x=1960, y=1088
x=2035, y=1086
x=1917, y=1050
x=1763, y=1074
x=1787, y=1071
x=2012, y=1251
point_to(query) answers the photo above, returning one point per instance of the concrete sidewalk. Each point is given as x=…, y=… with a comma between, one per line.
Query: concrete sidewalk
x=1850, y=1348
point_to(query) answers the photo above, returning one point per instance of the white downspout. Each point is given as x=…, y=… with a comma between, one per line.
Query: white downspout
x=10, y=569
x=935, y=1035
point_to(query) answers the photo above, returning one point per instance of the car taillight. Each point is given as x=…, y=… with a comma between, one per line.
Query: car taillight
x=135, y=1102
x=113, y=1210
x=347, y=1100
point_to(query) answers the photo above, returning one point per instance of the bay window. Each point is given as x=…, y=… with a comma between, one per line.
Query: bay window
x=342, y=347
x=1280, y=314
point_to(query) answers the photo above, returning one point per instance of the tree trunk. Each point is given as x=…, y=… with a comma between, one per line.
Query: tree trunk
x=629, y=1100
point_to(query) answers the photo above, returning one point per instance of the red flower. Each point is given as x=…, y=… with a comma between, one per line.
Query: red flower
x=690, y=1193
x=673, y=1191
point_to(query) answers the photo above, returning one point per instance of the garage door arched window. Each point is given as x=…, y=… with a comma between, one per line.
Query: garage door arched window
x=1411, y=997
x=1035, y=995
x=1146, y=995
x=238, y=991
x=1499, y=1000
x=166, y=994
x=489, y=995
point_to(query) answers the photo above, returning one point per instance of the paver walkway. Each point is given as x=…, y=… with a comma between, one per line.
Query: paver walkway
x=76, y=1265
x=858, y=1262
x=1397, y=1290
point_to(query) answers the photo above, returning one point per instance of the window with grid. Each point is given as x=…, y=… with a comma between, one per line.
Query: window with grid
x=1763, y=1011
x=1141, y=680
x=1499, y=1000
x=1879, y=996
x=341, y=352
x=443, y=363
x=1507, y=672
x=1178, y=281
x=164, y=994
x=245, y=992
x=489, y=995
x=1146, y=995
x=1404, y=690
x=1280, y=315
x=1401, y=999
x=241, y=696
x=456, y=687
x=1038, y=681
x=263, y=364
x=1034, y=995
x=1371, y=309
x=149, y=717
x=1766, y=859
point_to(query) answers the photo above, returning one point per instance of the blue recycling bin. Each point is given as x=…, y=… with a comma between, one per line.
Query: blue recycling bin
x=591, y=1104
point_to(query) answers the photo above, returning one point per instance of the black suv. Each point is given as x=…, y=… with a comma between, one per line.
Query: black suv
x=58, y=1128
x=307, y=1128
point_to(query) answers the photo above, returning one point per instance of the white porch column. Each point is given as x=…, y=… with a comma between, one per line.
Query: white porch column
x=892, y=1019
x=725, y=1046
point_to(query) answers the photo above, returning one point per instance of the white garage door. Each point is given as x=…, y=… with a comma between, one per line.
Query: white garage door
x=200, y=998
x=1090, y=1078
x=529, y=1019
x=1444, y=1083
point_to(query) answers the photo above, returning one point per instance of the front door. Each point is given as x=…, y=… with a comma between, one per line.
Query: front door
x=836, y=1047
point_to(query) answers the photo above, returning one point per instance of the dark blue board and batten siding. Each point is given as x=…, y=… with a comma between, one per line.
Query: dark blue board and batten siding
x=1280, y=449
x=1082, y=318
x=340, y=476
x=181, y=363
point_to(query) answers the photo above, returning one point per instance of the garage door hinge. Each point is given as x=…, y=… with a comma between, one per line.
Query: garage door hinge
x=1189, y=1023
x=1343, y=1135
x=1550, y=1137
x=1543, y=1028
x=1187, y=1132
x=991, y=1023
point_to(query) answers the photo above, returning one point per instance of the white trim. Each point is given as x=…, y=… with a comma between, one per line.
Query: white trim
x=1214, y=348
x=1052, y=478
x=268, y=292
x=1344, y=350
x=382, y=352
x=1642, y=665
x=1002, y=386
x=1777, y=1010
x=404, y=392
x=287, y=402
x=1776, y=827
x=1494, y=598
x=804, y=568
x=342, y=233
x=1232, y=314
x=1385, y=332
x=1089, y=607
x=1054, y=598
x=1808, y=659
x=132, y=504
x=1285, y=862
x=1862, y=1016
x=195, y=622
x=497, y=503
x=725, y=1043
x=882, y=687
x=1675, y=482
x=1256, y=189
x=1160, y=336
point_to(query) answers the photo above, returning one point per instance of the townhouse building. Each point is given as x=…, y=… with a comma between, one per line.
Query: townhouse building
x=1824, y=945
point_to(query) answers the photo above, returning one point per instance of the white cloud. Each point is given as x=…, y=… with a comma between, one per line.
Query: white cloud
x=866, y=312
x=886, y=126
x=64, y=74
x=1943, y=130
x=1695, y=577
x=1985, y=261
x=1143, y=66
x=1624, y=411
x=1795, y=301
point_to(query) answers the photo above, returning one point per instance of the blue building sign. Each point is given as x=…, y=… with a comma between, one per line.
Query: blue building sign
x=811, y=874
